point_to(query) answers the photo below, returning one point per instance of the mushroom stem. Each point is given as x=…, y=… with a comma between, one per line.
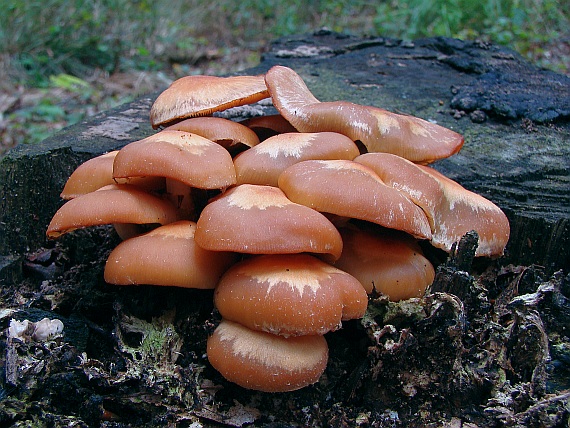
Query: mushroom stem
x=180, y=195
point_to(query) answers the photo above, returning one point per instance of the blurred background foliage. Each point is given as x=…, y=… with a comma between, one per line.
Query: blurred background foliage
x=61, y=60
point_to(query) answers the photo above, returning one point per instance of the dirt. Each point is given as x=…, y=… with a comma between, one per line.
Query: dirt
x=488, y=345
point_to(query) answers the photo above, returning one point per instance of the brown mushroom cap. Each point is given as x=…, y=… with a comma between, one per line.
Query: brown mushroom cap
x=452, y=210
x=182, y=156
x=388, y=262
x=261, y=220
x=98, y=172
x=461, y=211
x=231, y=135
x=349, y=189
x=167, y=256
x=289, y=295
x=265, y=162
x=264, y=361
x=193, y=96
x=120, y=203
x=90, y=176
x=379, y=130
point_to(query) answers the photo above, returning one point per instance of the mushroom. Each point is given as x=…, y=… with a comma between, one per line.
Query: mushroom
x=265, y=162
x=186, y=160
x=453, y=210
x=348, y=189
x=379, y=130
x=167, y=256
x=113, y=204
x=98, y=172
x=264, y=361
x=233, y=136
x=193, y=96
x=257, y=219
x=385, y=261
x=289, y=295
x=268, y=126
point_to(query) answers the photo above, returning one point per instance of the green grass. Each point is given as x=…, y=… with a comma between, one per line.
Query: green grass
x=60, y=45
x=75, y=36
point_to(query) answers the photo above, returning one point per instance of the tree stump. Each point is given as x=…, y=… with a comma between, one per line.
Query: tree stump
x=486, y=346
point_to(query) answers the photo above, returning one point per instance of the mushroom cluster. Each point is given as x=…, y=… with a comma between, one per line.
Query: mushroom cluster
x=293, y=219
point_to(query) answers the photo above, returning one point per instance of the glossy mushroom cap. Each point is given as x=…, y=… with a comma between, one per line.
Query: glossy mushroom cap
x=388, y=262
x=452, y=210
x=97, y=172
x=289, y=295
x=193, y=96
x=90, y=176
x=114, y=204
x=264, y=361
x=379, y=130
x=167, y=256
x=265, y=162
x=261, y=220
x=181, y=156
x=461, y=211
x=233, y=136
x=349, y=189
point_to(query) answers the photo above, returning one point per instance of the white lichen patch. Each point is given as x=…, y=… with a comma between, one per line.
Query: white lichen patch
x=39, y=331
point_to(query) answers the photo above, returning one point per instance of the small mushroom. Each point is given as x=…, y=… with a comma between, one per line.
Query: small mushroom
x=266, y=362
x=233, y=136
x=379, y=130
x=193, y=96
x=97, y=172
x=452, y=210
x=167, y=256
x=348, y=189
x=187, y=161
x=114, y=204
x=182, y=156
x=265, y=162
x=257, y=219
x=289, y=295
x=385, y=261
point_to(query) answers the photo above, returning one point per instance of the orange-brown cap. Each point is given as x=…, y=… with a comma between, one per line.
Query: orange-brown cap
x=90, y=176
x=98, y=172
x=193, y=96
x=120, y=203
x=233, y=136
x=387, y=261
x=266, y=362
x=182, y=156
x=406, y=177
x=167, y=256
x=461, y=211
x=379, y=130
x=349, y=189
x=289, y=295
x=265, y=162
x=261, y=220
x=451, y=209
